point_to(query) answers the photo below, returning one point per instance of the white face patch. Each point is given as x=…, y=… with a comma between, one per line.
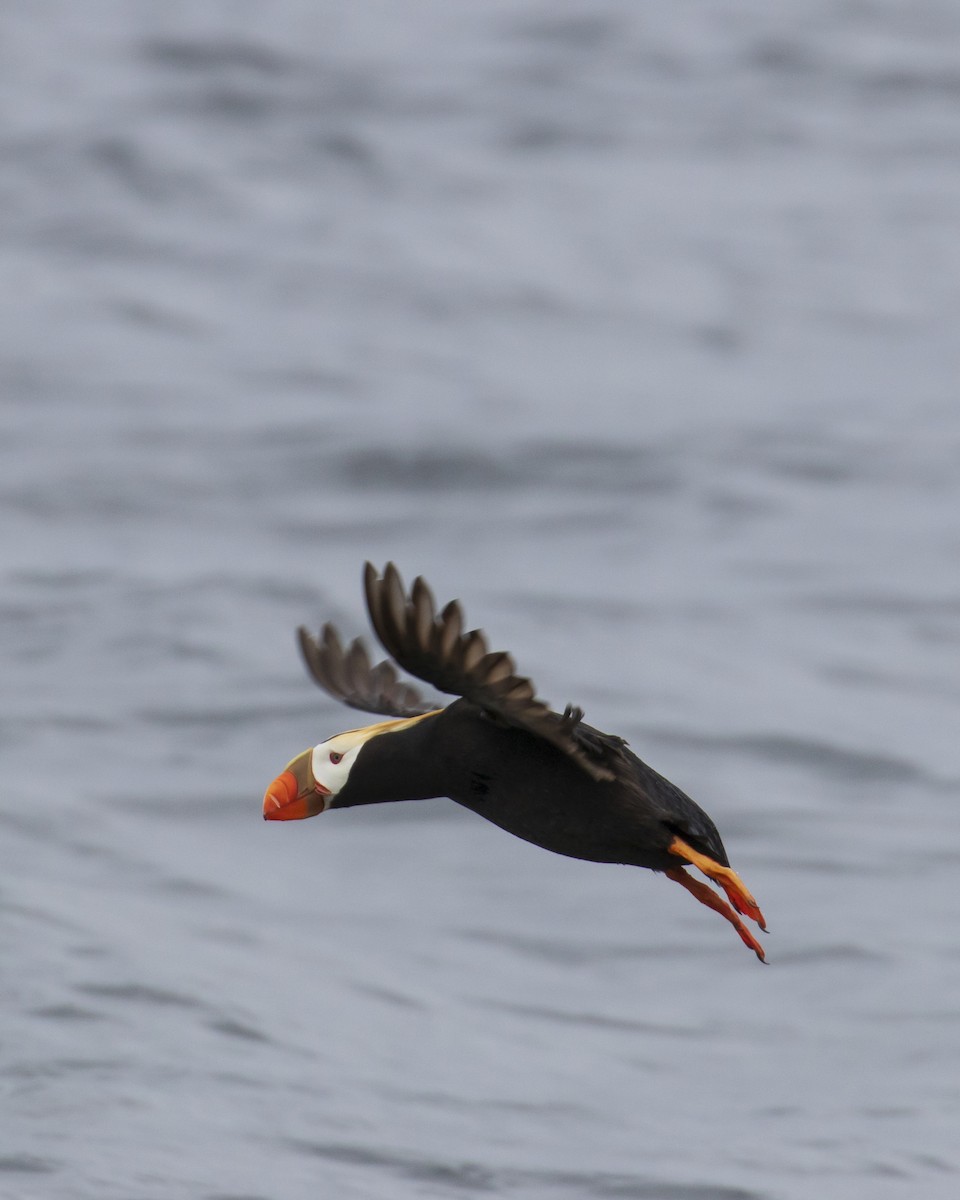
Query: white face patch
x=332, y=760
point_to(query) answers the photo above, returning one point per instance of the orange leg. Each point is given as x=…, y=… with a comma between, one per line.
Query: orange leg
x=737, y=891
x=712, y=900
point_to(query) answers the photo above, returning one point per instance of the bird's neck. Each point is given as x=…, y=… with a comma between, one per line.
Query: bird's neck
x=401, y=764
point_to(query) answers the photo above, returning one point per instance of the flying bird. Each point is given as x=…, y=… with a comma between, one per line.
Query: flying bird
x=497, y=749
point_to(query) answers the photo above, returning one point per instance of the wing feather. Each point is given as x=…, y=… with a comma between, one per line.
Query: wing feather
x=348, y=676
x=436, y=650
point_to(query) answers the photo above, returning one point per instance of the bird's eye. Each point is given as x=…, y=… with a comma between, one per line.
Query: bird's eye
x=335, y=757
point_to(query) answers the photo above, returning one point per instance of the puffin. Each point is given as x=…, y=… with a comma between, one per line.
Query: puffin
x=497, y=749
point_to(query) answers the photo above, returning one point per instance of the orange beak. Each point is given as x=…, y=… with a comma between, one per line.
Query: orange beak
x=295, y=794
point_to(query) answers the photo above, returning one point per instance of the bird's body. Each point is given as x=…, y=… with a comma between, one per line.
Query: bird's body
x=546, y=777
x=529, y=788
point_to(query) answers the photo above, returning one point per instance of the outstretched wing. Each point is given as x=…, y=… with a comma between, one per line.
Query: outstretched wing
x=348, y=676
x=436, y=650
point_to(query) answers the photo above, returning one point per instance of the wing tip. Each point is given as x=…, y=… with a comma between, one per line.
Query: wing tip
x=439, y=650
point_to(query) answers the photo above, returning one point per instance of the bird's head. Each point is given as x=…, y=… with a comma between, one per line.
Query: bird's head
x=311, y=782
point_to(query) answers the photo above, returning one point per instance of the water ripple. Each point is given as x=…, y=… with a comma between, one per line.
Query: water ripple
x=472, y=1177
x=138, y=993
x=27, y=1164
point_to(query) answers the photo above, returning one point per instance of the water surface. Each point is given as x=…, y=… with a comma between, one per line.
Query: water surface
x=634, y=327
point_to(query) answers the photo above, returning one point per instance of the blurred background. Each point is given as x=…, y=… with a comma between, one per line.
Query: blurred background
x=633, y=325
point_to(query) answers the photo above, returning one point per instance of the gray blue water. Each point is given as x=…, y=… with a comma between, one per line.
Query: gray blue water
x=635, y=327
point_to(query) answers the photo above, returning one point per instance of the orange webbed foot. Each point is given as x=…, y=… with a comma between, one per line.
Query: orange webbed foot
x=736, y=890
